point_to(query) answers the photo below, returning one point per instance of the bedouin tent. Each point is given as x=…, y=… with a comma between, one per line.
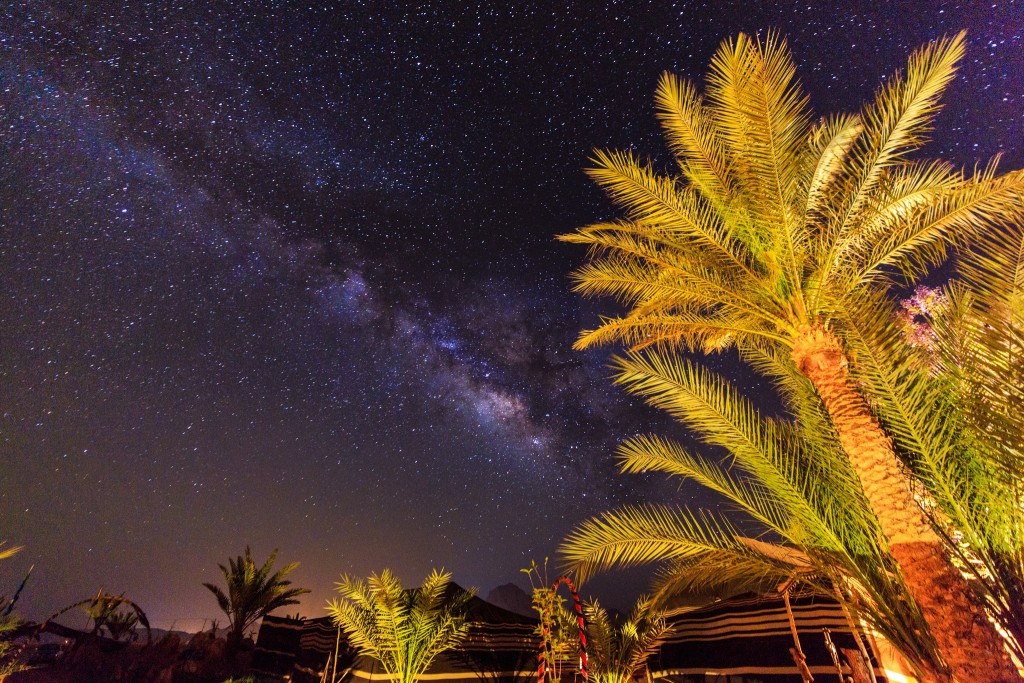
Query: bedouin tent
x=749, y=638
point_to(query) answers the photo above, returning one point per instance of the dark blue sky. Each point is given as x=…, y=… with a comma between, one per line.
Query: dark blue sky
x=287, y=277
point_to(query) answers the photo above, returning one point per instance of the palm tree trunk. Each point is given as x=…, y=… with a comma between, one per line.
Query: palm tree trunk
x=967, y=639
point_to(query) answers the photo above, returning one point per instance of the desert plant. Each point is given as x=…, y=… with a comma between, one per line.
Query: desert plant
x=252, y=593
x=619, y=650
x=107, y=613
x=8, y=653
x=103, y=608
x=557, y=629
x=777, y=234
x=405, y=630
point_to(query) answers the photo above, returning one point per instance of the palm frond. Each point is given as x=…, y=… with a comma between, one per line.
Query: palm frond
x=898, y=121
x=922, y=240
x=991, y=358
x=632, y=536
x=653, y=453
x=762, y=114
x=718, y=573
x=721, y=416
x=660, y=202
x=692, y=136
x=710, y=332
x=829, y=145
x=8, y=552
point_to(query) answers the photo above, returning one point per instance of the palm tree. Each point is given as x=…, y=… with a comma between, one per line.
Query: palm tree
x=116, y=614
x=982, y=495
x=775, y=235
x=252, y=593
x=785, y=478
x=961, y=361
x=405, y=630
x=619, y=652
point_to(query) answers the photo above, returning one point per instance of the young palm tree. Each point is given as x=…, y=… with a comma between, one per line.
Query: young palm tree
x=777, y=233
x=788, y=479
x=619, y=652
x=405, y=630
x=252, y=593
x=116, y=614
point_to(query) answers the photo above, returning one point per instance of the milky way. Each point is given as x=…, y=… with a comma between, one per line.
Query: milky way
x=286, y=277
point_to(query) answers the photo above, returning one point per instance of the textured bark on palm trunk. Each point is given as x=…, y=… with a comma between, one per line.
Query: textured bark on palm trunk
x=967, y=640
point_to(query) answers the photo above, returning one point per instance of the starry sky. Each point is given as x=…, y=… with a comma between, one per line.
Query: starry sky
x=285, y=276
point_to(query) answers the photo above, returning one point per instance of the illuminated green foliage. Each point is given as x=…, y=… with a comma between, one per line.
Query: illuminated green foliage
x=405, y=630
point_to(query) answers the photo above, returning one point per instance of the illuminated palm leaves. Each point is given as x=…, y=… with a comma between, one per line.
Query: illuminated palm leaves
x=786, y=481
x=404, y=630
x=776, y=226
x=779, y=234
x=776, y=222
x=619, y=651
x=955, y=411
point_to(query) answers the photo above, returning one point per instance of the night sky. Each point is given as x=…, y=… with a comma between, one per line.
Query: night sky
x=286, y=276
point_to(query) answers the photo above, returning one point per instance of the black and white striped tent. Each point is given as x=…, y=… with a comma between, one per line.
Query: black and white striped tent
x=748, y=638
x=740, y=640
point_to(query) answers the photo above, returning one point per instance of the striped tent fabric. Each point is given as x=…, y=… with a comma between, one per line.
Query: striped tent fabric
x=748, y=638
x=278, y=644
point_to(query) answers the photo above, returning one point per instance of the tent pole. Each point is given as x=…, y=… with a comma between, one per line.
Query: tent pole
x=797, y=652
x=831, y=647
x=856, y=635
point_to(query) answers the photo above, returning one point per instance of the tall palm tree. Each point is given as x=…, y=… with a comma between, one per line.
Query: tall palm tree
x=405, y=630
x=252, y=593
x=776, y=233
x=953, y=400
x=988, y=375
x=786, y=480
x=619, y=651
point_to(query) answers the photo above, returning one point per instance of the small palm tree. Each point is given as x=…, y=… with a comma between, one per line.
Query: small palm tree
x=115, y=614
x=405, y=630
x=776, y=236
x=619, y=651
x=252, y=593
